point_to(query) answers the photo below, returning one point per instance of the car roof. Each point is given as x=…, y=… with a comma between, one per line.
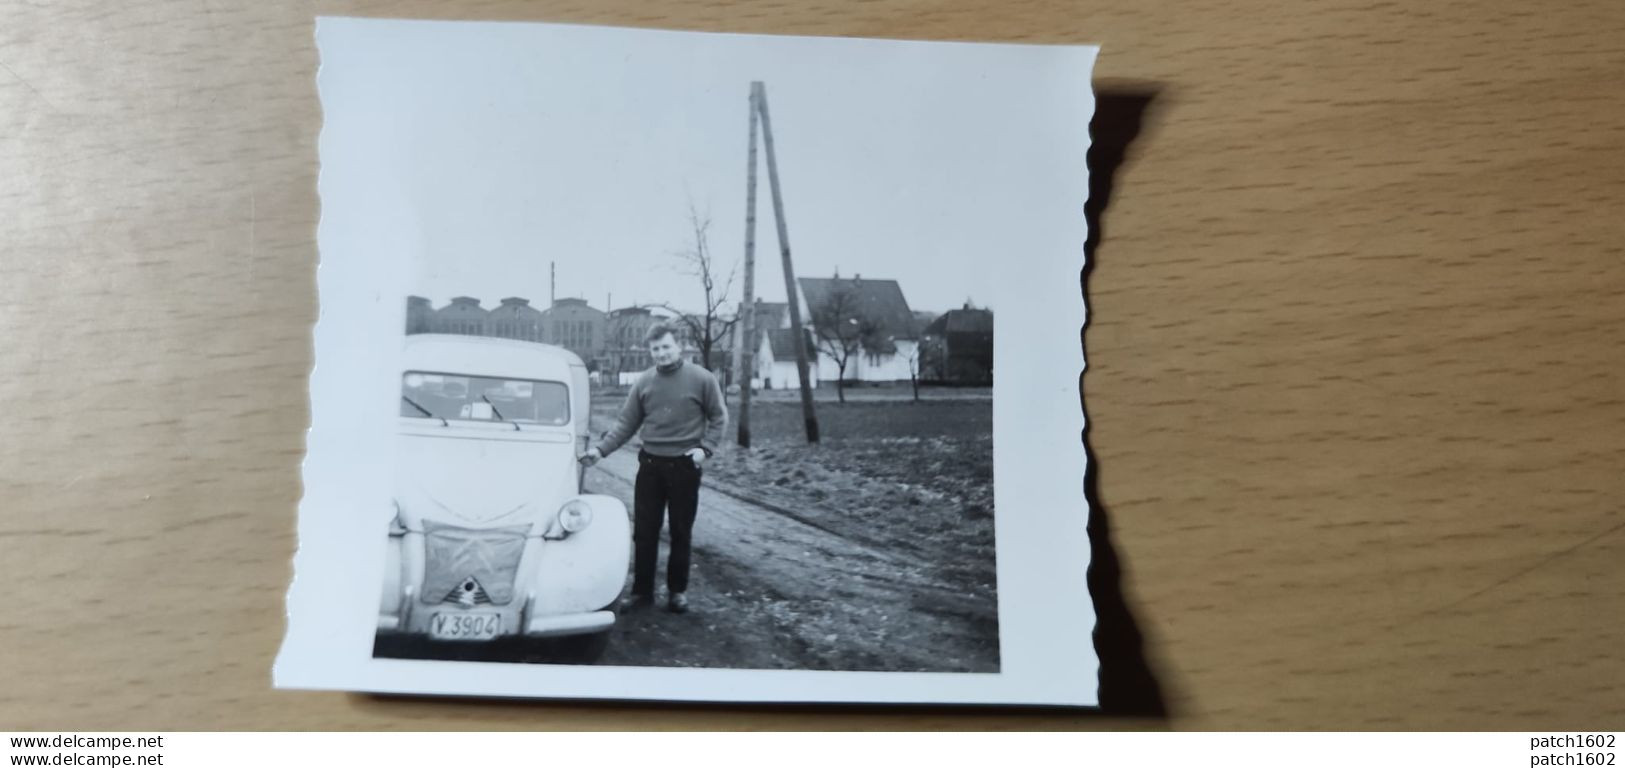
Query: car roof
x=487, y=356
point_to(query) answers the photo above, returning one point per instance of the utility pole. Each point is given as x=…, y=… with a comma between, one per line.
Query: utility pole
x=808, y=415
x=744, y=350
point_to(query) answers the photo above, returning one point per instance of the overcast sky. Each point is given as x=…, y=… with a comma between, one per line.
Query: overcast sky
x=493, y=160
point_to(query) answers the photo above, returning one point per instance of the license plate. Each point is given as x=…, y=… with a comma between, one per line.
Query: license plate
x=465, y=626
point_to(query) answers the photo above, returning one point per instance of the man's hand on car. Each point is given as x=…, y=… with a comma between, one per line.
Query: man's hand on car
x=591, y=457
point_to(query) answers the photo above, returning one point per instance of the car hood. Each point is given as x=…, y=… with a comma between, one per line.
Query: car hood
x=484, y=479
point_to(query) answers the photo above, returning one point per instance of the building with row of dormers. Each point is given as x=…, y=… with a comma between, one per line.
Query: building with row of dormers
x=608, y=342
x=956, y=347
x=569, y=323
x=514, y=319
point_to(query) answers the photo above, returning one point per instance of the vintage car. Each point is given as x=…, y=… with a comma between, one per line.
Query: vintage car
x=493, y=541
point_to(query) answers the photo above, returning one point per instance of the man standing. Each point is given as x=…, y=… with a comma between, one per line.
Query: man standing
x=680, y=409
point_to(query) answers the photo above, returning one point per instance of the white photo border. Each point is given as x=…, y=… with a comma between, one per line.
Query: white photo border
x=1046, y=615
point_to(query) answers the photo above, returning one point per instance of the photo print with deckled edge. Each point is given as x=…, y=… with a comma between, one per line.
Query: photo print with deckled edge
x=661, y=365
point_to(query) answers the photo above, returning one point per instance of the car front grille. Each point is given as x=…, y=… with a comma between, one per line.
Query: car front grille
x=470, y=592
x=471, y=566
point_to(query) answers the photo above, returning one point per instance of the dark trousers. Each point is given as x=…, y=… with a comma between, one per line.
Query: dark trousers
x=664, y=483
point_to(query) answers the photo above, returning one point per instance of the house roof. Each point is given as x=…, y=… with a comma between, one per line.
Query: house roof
x=879, y=300
x=513, y=307
x=782, y=341
x=770, y=314
x=573, y=308
x=961, y=321
x=463, y=305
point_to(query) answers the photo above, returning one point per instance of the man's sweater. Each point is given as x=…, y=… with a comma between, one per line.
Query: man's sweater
x=679, y=410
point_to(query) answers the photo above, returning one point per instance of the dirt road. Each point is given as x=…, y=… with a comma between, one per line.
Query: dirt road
x=772, y=592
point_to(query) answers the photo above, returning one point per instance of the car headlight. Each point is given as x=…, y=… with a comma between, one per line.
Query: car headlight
x=575, y=515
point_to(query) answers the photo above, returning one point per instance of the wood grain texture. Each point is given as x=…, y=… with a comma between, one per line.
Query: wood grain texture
x=1356, y=381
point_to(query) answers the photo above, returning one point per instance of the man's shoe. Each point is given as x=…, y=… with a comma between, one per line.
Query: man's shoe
x=635, y=601
x=678, y=603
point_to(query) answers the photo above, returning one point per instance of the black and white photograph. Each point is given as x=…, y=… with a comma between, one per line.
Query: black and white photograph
x=677, y=351
x=849, y=530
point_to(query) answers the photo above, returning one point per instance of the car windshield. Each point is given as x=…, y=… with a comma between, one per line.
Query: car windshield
x=482, y=398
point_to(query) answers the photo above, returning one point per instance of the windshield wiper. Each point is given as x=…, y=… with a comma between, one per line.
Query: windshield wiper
x=413, y=403
x=499, y=413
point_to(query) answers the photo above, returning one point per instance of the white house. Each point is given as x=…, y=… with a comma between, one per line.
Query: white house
x=854, y=300
x=776, y=361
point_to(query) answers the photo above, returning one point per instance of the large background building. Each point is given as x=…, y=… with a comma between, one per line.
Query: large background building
x=419, y=315
x=608, y=342
x=572, y=324
x=463, y=315
x=624, y=350
x=516, y=319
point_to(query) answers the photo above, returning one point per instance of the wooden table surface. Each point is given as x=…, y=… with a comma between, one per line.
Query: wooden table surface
x=1356, y=357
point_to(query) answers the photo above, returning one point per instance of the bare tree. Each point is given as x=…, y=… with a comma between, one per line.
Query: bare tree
x=708, y=328
x=843, y=331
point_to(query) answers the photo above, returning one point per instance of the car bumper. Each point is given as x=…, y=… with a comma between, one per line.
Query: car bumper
x=569, y=624
x=557, y=625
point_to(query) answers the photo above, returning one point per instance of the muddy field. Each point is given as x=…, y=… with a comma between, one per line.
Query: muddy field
x=870, y=551
x=913, y=477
